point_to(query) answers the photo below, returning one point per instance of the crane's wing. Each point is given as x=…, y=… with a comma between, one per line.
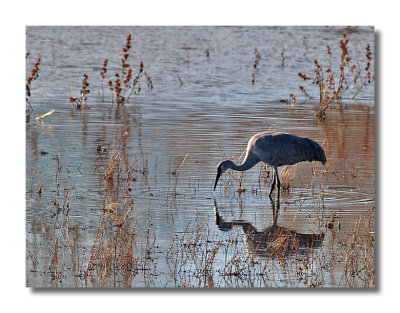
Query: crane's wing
x=285, y=149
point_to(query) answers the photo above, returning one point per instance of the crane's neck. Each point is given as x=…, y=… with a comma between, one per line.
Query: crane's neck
x=248, y=162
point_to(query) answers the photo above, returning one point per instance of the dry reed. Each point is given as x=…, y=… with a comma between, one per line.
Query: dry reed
x=124, y=83
x=332, y=83
x=33, y=76
x=81, y=101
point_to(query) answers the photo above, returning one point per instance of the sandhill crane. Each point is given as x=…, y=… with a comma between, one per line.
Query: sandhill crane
x=275, y=150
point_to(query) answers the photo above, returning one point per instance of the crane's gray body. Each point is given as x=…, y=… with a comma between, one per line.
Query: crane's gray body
x=275, y=150
x=284, y=149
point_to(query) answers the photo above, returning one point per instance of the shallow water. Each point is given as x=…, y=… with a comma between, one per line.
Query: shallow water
x=177, y=134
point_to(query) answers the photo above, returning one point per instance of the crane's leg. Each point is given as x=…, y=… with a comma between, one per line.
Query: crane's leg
x=278, y=182
x=272, y=184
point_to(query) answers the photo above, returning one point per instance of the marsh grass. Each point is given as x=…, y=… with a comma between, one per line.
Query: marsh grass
x=122, y=251
x=359, y=252
x=116, y=256
x=286, y=176
x=125, y=83
x=81, y=101
x=190, y=258
x=62, y=239
x=123, y=248
x=113, y=254
x=334, y=82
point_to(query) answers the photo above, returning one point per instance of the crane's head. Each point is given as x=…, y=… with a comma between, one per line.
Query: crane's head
x=221, y=168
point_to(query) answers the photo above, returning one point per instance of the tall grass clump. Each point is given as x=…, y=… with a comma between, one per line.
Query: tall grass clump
x=125, y=83
x=359, y=252
x=111, y=256
x=333, y=82
x=116, y=255
x=61, y=233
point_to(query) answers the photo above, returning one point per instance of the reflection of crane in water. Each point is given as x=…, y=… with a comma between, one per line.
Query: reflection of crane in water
x=275, y=150
x=274, y=239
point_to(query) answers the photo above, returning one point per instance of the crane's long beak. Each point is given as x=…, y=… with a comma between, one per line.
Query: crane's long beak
x=216, y=179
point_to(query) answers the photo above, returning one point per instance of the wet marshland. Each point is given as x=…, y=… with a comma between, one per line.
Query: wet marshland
x=122, y=195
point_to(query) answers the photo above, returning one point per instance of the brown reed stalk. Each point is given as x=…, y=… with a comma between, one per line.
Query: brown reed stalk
x=81, y=100
x=359, y=252
x=114, y=254
x=305, y=78
x=304, y=92
x=33, y=76
x=328, y=50
x=344, y=61
x=149, y=81
x=112, y=169
x=126, y=83
x=319, y=80
x=102, y=76
x=329, y=89
x=367, y=79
